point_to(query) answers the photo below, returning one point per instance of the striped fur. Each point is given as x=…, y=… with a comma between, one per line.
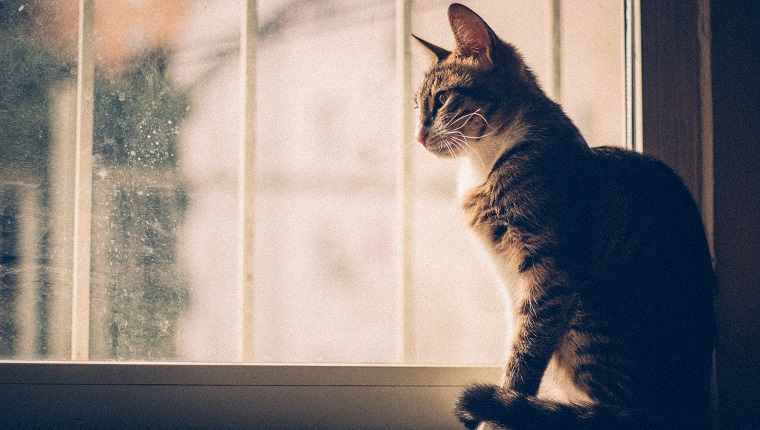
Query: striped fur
x=602, y=251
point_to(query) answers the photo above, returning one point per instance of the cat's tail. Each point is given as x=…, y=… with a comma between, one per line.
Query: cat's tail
x=510, y=410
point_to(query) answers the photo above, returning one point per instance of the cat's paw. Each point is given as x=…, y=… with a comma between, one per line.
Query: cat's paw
x=480, y=403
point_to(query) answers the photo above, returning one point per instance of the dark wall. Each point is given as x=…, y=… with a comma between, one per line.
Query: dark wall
x=736, y=108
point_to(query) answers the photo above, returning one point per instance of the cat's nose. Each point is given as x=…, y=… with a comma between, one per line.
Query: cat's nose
x=422, y=135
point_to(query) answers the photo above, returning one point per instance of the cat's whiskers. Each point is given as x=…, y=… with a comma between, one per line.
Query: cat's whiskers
x=449, y=147
x=477, y=112
x=463, y=140
x=455, y=117
x=482, y=118
x=467, y=119
x=478, y=137
x=459, y=139
x=454, y=139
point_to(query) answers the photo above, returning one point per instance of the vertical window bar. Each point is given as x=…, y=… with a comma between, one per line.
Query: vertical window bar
x=248, y=39
x=404, y=183
x=707, y=201
x=26, y=303
x=633, y=123
x=80, y=318
x=556, y=29
x=705, y=78
x=60, y=213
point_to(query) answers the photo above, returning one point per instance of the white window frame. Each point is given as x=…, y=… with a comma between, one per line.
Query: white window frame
x=181, y=395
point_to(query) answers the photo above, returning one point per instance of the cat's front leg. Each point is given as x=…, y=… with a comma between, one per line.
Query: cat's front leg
x=539, y=274
x=482, y=405
x=542, y=319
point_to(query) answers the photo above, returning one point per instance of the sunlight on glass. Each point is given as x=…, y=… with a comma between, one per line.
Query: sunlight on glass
x=165, y=272
x=327, y=145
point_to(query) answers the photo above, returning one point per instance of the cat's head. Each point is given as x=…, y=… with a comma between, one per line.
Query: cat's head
x=473, y=91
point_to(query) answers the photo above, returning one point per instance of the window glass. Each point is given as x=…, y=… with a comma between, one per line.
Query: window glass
x=139, y=291
x=165, y=266
x=327, y=144
x=591, y=69
x=36, y=71
x=207, y=64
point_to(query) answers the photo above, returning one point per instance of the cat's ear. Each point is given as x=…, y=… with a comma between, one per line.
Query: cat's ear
x=473, y=36
x=440, y=53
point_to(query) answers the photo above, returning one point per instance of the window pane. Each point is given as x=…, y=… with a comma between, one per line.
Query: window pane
x=207, y=64
x=326, y=207
x=37, y=66
x=592, y=69
x=165, y=278
x=138, y=292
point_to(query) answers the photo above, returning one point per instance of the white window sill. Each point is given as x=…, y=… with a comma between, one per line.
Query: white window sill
x=230, y=396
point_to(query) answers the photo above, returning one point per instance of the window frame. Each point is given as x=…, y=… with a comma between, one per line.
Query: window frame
x=670, y=112
x=232, y=395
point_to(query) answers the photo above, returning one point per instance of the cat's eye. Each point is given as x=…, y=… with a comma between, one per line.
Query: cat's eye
x=439, y=100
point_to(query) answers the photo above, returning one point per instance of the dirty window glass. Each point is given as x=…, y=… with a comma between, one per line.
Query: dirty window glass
x=165, y=204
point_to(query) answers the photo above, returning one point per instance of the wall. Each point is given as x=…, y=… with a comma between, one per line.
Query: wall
x=736, y=107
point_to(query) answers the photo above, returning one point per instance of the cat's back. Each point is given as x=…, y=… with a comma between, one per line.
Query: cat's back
x=653, y=276
x=648, y=230
x=639, y=177
x=645, y=199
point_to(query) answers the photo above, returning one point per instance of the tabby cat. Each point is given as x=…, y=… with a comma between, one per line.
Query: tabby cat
x=602, y=251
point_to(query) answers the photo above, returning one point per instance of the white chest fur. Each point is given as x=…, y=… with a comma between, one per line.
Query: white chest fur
x=557, y=384
x=505, y=262
x=477, y=163
x=505, y=265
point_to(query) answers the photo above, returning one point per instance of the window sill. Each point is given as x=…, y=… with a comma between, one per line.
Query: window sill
x=229, y=396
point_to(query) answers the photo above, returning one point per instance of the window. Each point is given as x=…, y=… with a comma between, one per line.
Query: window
x=152, y=204
x=245, y=193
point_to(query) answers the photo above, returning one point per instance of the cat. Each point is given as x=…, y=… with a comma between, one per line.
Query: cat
x=602, y=251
